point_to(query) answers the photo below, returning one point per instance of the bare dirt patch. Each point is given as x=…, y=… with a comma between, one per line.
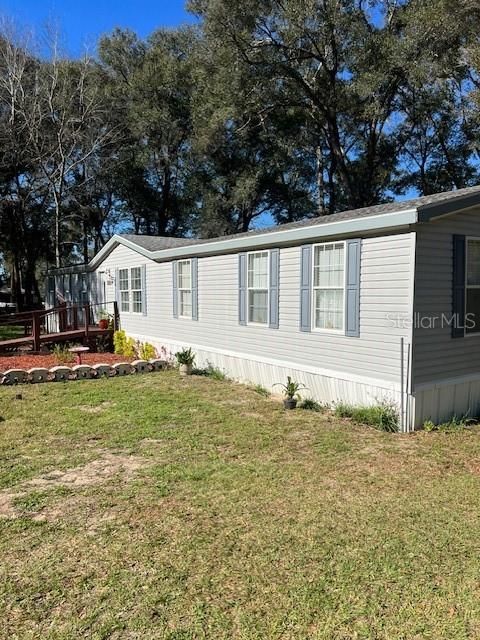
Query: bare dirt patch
x=97, y=471
x=98, y=408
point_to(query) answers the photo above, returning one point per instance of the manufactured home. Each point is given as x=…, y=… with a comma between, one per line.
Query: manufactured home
x=380, y=303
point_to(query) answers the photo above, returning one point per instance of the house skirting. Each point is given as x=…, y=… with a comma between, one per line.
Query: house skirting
x=325, y=386
x=440, y=401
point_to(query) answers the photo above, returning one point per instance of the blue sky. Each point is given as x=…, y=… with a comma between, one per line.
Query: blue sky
x=81, y=21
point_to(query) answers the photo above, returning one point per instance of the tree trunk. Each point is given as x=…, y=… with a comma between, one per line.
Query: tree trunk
x=320, y=181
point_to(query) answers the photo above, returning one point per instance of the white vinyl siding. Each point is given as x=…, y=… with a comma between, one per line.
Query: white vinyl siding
x=438, y=356
x=385, y=288
x=328, y=304
x=257, y=287
x=185, y=288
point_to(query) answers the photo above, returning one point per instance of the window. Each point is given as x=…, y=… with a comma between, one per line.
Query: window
x=131, y=290
x=124, y=292
x=136, y=289
x=329, y=286
x=257, y=285
x=185, y=288
x=472, y=293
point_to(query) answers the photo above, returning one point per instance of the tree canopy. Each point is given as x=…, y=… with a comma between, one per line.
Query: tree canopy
x=266, y=110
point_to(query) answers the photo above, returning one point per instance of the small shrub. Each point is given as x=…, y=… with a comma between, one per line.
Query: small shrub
x=309, y=404
x=455, y=424
x=123, y=345
x=383, y=416
x=146, y=351
x=210, y=371
x=261, y=390
x=62, y=354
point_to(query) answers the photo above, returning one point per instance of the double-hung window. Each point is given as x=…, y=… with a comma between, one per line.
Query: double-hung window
x=136, y=289
x=472, y=287
x=257, y=285
x=124, y=290
x=131, y=290
x=328, y=304
x=185, y=288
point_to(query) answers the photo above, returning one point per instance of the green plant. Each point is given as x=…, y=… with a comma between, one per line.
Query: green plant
x=146, y=351
x=309, y=404
x=123, y=345
x=185, y=356
x=382, y=416
x=455, y=424
x=62, y=354
x=104, y=315
x=261, y=390
x=291, y=389
x=210, y=371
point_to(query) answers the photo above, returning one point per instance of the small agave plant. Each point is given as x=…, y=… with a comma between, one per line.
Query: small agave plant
x=290, y=391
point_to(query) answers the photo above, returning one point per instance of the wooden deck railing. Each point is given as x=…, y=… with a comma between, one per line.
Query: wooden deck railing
x=38, y=326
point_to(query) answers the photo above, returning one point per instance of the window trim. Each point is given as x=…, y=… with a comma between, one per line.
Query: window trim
x=473, y=334
x=130, y=290
x=314, y=288
x=180, y=289
x=248, y=289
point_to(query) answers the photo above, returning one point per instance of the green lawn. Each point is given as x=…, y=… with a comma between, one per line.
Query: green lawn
x=200, y=509
x=11, y=331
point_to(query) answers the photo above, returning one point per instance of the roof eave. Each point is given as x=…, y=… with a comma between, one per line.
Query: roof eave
x=385, y=221
x=427, y=212
x=298, y=235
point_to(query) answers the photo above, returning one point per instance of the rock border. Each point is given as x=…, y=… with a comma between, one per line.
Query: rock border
x=62, y=373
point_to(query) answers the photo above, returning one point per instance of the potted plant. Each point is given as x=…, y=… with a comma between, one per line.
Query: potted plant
x=104, y=319
x=185, y=359
x=290, y=391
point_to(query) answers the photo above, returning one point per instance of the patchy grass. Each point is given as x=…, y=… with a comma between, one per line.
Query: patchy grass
x=195, y=508
x=383, y=416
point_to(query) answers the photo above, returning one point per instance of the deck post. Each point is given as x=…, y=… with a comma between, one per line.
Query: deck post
x=36, y=330
x=87, y=319
x=116, y=316
x=75, y=317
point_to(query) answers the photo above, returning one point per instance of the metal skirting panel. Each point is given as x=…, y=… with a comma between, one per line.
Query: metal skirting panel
x=442, y=401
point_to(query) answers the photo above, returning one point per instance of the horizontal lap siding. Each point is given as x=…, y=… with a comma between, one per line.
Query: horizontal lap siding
x=385, y=289
x=438, y=356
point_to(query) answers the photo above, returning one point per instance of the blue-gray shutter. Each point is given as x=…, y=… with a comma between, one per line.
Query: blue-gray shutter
x=458, y=298
x=242, y=288
x=352, y=288
x=194, y=263
x=117, y=289
x=144, y=290
x=175, y=288
x=306, y=288
x=274, y=288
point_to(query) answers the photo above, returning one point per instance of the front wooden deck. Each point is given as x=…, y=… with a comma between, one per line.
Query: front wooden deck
x=53, y=326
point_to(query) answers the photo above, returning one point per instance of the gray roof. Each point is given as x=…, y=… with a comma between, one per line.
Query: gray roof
x=156, y=243
x=435, y=204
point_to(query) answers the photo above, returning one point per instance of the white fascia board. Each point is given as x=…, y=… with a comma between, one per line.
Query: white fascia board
x=292, y=236
x=381, y=222
x=110, y=246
